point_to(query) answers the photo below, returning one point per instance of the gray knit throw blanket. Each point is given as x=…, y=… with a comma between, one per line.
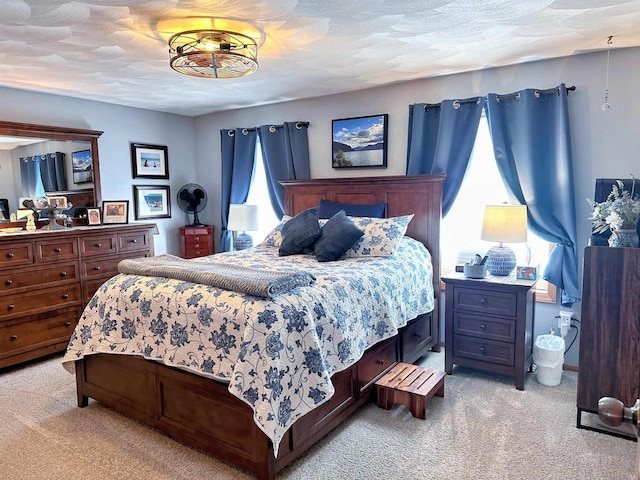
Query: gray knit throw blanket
x=261, y=283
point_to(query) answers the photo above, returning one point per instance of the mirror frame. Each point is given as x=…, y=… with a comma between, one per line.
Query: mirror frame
x=48, y=132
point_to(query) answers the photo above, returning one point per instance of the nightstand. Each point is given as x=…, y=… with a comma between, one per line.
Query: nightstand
x=196, y=241
x=489, y=324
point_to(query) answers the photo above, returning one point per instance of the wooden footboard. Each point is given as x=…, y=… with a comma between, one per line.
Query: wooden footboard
x=202, y=413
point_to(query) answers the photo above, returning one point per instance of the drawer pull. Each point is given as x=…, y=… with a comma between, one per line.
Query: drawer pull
x=65, y=296
x=417, y=335
x=483, y=326
x=98, y=245
x=63, y=274
x=134, y=241
x=483, y=350
x=11, y=307
x=196, y=238
x=57, y=249
x=380, y=362
x=196, y=246
x=10, y=255
x=97, y=268
x=67, y=324
x=8, y=282
x=483, y=301
x=14, y=338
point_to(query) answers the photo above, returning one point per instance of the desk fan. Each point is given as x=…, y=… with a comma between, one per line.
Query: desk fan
x=192, y=199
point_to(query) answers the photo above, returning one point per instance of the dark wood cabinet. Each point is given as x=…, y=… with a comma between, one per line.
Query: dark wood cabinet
x=610, y=334
x=489, y=324
x=196, y=241
x=47, y=277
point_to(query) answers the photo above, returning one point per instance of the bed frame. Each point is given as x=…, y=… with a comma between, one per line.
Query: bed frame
x=202, y=413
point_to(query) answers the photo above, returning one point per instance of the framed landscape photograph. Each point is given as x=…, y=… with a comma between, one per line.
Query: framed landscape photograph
x=82, y=164
x=115, y=211
x=93, y=216
x=151, y=201
x=360, y=142
x=149, y=161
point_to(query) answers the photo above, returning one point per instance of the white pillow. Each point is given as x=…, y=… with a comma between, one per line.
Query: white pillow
x=381, y=236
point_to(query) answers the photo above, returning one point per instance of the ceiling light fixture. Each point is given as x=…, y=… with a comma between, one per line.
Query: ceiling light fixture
x=213, y=54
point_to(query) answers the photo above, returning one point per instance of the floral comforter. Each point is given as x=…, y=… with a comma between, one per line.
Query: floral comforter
x=278, y=354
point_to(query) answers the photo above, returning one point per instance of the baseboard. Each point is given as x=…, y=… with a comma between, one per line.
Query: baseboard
x=570, y=368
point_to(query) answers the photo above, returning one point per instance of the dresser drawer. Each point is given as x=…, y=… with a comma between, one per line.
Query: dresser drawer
x=25, y=279
x=133, y=241
x=105, y=267
x=375, y=362
x=415, y=334
x=102, y=245
x=16, y=254
x=55, y=250
x=193, y=252
x=191, y=232
x=485, y=327
x=12, y=306
x=484, y=350
x=485, y=301
x=38, y=331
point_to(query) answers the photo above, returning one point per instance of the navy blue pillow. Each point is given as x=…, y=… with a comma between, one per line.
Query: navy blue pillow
x=300, y=233
x=338, y=235
x=328, y=209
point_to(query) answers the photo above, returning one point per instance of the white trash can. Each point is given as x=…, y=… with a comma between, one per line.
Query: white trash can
x=548, y=355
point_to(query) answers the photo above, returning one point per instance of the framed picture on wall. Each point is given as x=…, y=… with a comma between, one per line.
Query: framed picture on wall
x=149, y=161
x=360, y=142
x=151, y=201
x=82, y=164
x=115, y=211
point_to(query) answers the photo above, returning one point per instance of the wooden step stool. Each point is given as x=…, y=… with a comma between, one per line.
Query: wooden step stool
x=410, y=385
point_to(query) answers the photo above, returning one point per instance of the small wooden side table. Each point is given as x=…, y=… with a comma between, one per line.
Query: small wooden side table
x=489, y=324
x=196, y=241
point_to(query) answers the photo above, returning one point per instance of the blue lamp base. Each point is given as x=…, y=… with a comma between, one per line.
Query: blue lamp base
x=242, y=241
x=501, y=261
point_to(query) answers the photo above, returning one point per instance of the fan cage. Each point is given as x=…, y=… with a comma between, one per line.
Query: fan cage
x=213, y=54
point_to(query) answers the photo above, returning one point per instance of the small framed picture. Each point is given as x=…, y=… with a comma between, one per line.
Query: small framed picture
x=360, y=142
x=115, y=211
x=93, y=215
x=151, y=201
x=58, y=202
x=82, y=164
x=149, y=161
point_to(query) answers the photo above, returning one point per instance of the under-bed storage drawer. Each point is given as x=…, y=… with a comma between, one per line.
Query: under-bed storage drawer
x=376, y=362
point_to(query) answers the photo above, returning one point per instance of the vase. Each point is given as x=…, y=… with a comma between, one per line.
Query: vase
x=624, y=237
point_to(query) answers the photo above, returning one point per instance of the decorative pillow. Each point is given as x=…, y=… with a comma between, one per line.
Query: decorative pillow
x=381, y=236
x=300, y=232
x=337, y=236
x=274, y=237
x=328, y=209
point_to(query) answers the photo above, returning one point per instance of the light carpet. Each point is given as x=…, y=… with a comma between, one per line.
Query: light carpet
x=482, y=429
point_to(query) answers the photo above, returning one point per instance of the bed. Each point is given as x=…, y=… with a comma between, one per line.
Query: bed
x=204, y=411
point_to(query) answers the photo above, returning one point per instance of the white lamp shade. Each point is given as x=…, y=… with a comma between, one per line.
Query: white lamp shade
x=242, y=217
x=504, y=223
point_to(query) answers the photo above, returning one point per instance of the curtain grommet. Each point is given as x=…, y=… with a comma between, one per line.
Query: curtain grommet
x=231, y=133
x=456, y=104
x=272, y=129
x=245, y=131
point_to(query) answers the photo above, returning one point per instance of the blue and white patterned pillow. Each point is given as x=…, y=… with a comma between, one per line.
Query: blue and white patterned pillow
x=381, y=236
x=274, y=238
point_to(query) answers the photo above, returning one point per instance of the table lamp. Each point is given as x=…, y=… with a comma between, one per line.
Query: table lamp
x=242, y=218
x=508, y=224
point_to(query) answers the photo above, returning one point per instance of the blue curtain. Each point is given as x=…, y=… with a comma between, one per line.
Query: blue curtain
x=441, y=139
x=52, y=172
x=238, y=156
x=530, y=132
x=285, y=150
x=31, y=177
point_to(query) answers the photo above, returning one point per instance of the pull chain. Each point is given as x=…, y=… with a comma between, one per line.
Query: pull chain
x=606, y=105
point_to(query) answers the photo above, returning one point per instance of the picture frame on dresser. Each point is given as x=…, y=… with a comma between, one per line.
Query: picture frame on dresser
x=115, y=212
x=151, y=201
x=93, y=216
x=149, y=161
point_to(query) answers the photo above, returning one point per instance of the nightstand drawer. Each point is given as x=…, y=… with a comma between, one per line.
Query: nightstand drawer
x=485, y=301
x=483, y=350
x=484, y=327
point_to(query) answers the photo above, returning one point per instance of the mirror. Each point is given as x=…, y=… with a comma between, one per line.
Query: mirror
x=79, y=148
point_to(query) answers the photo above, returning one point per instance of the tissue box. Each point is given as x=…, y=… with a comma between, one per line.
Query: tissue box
x=527, y=273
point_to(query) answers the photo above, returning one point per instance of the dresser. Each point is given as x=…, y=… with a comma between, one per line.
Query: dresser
x=47, y=277
x=196, y=241
x=489, y=324
x=610, y=329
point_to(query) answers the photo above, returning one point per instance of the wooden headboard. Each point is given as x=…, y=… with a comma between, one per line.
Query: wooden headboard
x=403, y=194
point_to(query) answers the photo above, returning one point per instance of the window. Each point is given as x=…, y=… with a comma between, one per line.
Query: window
x=461, y=227
x=259, y=195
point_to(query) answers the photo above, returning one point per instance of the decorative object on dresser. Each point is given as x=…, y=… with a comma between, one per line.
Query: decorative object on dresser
x=503, y=223
x=46, y=278
x=615, y=212
x=151, y=201
x=196, y=241
x=115, y=211
x=93, y=216
x=489, y=324
x=242, y=218
x=192, y=198
x=610, y=320
x=149, y=161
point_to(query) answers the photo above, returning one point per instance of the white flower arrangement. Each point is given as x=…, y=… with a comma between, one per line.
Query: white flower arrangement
x=621, y=209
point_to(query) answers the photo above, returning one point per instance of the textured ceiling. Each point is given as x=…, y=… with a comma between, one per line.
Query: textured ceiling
x=116, y=50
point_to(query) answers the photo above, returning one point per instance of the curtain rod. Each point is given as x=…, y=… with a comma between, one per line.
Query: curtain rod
x=516, y=95
x=272, y=128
